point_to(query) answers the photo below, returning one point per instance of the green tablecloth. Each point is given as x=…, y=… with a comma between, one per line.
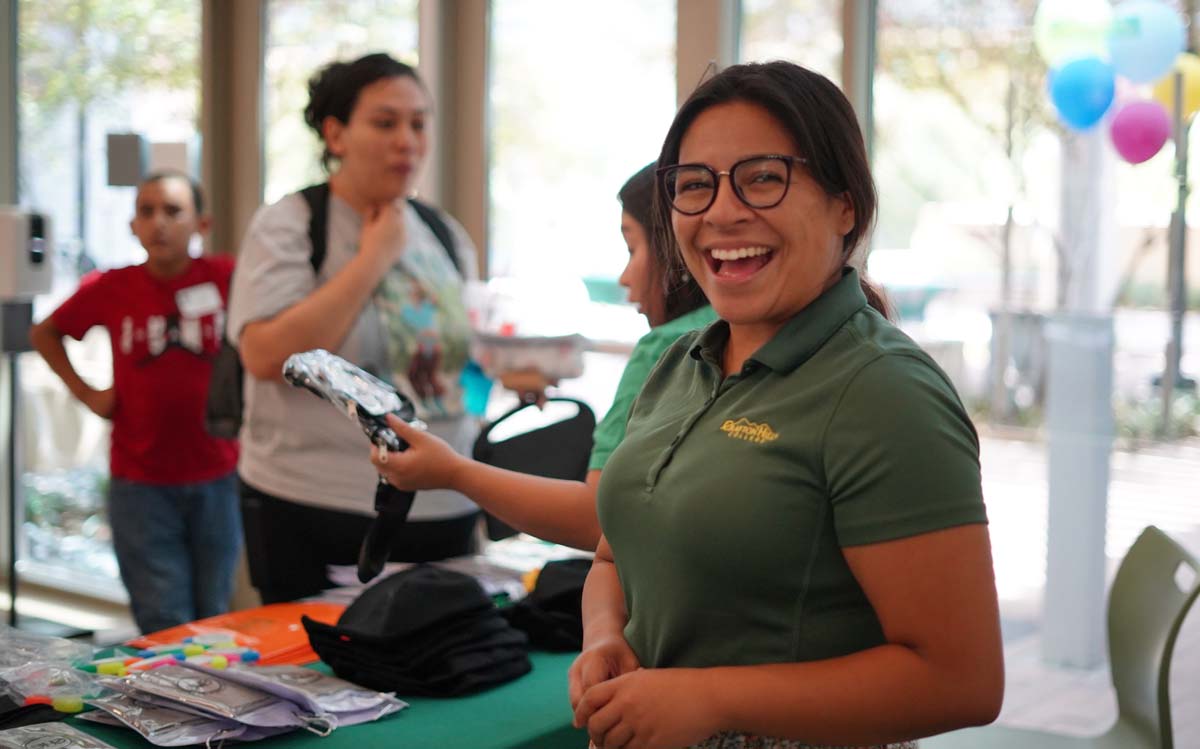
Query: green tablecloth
x=530, y=712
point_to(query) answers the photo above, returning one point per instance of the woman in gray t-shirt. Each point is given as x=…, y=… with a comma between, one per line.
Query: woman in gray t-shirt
x=387, y=297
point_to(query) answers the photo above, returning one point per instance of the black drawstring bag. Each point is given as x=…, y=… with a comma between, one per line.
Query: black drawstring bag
x=550, y=615
x=423, y=631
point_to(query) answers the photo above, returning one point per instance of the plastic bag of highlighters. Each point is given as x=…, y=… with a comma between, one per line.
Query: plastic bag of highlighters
x=59, y=685
x=18, y=648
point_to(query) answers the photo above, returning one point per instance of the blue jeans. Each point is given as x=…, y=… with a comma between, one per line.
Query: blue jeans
x=177, y=548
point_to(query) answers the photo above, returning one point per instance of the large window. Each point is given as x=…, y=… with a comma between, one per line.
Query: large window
x=303, y=35
x=807, y=32
x=572, y=116
x=970, y=160
x=88, y=68
x=964, y=149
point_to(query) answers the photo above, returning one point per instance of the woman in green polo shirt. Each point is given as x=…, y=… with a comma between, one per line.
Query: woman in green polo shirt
x=565, y=511
x=795, y=548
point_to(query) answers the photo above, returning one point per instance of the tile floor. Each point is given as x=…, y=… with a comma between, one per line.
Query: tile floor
x=1159, y=486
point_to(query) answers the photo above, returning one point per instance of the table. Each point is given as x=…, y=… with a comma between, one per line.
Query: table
x=527, y=713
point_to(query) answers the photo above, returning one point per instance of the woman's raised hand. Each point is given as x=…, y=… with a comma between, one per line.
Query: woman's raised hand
x=428, y=463
x=384, y=234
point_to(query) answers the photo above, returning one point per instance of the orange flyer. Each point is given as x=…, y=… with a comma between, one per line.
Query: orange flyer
x=274, y=630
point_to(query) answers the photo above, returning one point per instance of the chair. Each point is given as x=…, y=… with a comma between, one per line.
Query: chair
x=559, y=450
x=1146, y=608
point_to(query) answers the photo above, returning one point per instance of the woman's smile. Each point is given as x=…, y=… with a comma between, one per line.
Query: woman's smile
x=738, y=263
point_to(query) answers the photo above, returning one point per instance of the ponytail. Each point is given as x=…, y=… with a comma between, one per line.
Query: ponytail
x=876, y=298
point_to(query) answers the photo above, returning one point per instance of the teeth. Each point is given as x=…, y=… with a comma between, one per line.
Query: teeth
x=739, y=253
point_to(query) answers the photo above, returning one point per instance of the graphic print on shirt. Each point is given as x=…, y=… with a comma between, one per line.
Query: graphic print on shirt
x=426, y=332
x=145, y=339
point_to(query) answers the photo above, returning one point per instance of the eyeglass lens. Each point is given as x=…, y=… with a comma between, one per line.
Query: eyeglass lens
x=759, y=183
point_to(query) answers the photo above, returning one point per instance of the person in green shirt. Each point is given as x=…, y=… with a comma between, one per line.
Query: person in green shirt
x=565, y=511
x=795, y=548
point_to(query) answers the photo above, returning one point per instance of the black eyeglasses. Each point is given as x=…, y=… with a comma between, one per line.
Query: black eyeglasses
x=759, y=182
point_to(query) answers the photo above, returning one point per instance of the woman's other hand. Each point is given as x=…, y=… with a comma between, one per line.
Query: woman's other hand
x=649, y=709
x=428, y=463
x=529, y=384
x=599, y=662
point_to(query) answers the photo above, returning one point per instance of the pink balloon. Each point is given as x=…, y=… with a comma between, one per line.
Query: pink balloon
x=1139, y=130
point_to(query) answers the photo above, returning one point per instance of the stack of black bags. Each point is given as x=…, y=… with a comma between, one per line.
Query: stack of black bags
x=424, y=631
x=550, y=614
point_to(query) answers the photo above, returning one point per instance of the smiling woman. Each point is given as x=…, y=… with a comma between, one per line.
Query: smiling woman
x=794, y=547
x=771, y=245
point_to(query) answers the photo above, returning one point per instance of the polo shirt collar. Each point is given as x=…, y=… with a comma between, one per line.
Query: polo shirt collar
x=800, y=337
x=711, y=343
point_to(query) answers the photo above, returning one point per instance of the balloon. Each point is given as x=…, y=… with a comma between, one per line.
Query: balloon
x=1064, y=29
x=1145, y=39
x=1082, y=90
x=1164, y=90
x=1139, y=130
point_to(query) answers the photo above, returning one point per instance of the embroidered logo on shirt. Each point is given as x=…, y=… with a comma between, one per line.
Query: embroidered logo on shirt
x=744, y=429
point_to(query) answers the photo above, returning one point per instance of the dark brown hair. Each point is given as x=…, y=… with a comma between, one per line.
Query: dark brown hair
x=823, y=126
x=333, y=90
x=681, y=293
x=193, y=185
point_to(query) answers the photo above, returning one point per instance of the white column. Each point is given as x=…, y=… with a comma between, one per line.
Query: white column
x=1079, y=429
x=1079, y=420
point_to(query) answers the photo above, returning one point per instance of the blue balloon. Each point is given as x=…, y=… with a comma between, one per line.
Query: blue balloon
x=1082, y=91
x=1145, y=39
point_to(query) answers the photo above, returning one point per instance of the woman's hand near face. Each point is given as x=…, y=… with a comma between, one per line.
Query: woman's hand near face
x=650, y=709
x=428, y=463
x=383, y=234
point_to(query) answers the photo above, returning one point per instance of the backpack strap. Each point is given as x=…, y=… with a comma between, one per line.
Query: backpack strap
x=438, y=226
x=317, y=197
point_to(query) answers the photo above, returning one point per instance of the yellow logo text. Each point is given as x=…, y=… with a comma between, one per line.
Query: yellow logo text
x=744, y=429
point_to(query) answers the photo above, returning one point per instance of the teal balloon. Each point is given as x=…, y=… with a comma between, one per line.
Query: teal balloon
x=1082, y=91
x=1145, y=38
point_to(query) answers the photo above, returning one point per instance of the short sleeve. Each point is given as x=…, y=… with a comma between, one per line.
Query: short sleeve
x=85, y=308
x=464, y=248
x=901, y=455
x=611, y=429
x=274, y=267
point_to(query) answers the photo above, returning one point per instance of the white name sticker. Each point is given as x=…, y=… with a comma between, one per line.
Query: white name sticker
x=199, y=300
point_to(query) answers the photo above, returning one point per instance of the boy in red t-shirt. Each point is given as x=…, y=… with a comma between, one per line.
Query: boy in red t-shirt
x=172, y=499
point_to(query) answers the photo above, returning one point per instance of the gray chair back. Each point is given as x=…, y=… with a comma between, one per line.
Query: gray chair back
x=1146, y=609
